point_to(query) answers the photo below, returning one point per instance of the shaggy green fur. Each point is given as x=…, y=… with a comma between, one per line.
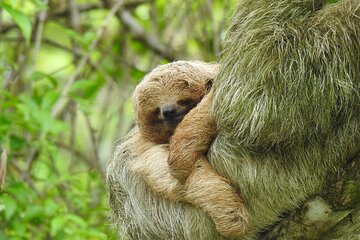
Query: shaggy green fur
x=290, y=88
x=287, y=108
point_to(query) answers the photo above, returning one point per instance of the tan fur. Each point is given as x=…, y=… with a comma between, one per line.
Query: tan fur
x=192, y=139
x=181, y=83
x=194, y=180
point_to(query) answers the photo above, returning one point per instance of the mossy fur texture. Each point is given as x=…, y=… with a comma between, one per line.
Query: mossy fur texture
x=287, y=109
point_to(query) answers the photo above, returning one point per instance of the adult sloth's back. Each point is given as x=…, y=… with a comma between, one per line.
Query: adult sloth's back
x=287, y=109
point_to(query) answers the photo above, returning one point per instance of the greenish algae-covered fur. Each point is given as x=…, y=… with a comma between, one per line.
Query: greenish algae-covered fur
x=287, y=108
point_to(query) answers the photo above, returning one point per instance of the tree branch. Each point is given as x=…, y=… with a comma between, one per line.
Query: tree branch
x=135, y=29
x=149, y=40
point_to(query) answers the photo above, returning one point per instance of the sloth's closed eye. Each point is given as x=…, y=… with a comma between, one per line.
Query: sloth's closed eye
x=185, y=102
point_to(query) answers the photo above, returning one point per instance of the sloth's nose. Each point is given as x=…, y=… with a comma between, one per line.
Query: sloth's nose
x=169, y=112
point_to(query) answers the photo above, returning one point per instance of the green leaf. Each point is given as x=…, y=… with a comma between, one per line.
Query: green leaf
x=5, y=123
x=49, y=99
x=2, y=236
x=50, y=207
x=36, y=76
x=77, y=220
x=40, y=4
x=20, y=232
x=21, y=192
x=94, y=234
x=48, y=123
x=20, y=19
x=34, y=212
x=57, y=224
x=137, y=74
x=83, y=39
x=10, y=206
x=142, y=12
x=16, y=143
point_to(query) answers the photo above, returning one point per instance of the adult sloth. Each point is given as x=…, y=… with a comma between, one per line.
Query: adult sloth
x=287, y=109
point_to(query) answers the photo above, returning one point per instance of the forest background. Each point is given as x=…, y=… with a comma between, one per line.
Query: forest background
x=67, y=70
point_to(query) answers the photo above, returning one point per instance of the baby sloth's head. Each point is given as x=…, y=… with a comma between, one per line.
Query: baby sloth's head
x=168, y=93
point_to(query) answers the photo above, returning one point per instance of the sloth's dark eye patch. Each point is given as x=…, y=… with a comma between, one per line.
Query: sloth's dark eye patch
x=185, y=102
x=186, y=83
x=156, y=111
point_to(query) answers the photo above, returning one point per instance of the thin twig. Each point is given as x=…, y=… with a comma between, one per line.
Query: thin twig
x=52, y=43
x=150, y=40
x=74, y=15
x=94, y=143
x=33, y=154
x=1, y=20
x=72, y=113
x=75, y=24
x=104, y=109
x=72, y=121
x=39, y=31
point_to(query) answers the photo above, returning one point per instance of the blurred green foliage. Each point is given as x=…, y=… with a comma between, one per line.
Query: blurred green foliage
x=54, y=187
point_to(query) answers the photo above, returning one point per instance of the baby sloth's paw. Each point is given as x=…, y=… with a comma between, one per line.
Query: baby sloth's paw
x=224, y=205
x=228, y=211
x=232, y=220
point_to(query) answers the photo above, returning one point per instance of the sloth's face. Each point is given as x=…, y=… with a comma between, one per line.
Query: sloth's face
x=162, y=106
x=168, y=115
x=167, y=94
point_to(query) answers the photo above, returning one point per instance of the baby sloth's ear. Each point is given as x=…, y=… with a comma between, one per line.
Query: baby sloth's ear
x=213, y=69
x=208, y=85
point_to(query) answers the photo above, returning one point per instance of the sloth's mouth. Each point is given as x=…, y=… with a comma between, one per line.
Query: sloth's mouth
x=176, y=119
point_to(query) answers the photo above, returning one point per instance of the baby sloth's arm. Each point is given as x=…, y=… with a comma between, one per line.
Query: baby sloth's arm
x=203, y=186
x=191, y=139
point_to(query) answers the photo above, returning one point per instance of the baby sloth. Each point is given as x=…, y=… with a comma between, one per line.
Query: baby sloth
x=175, y=130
